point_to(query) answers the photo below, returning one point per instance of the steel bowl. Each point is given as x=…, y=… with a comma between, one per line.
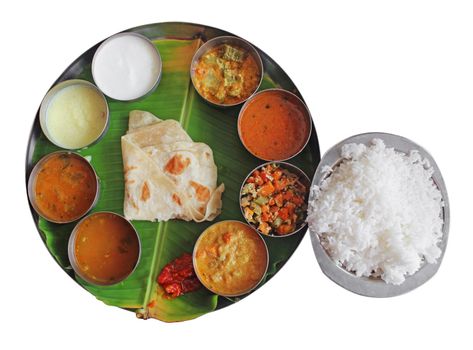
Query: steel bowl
x=371, y=286
x=230, y=40
x=158, y=57
x=290, y=95
x=52, y=93
x=203, y=282
x=293, y=169
x=72, y=256
x=32, y=183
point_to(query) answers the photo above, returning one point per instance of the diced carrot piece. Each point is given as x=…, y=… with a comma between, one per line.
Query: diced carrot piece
x=267, y=189
x=265, y=217
x=290, y=208
x=283, y=213
x=271, y=201
x=284, y=229
x=264, y=177
x=288, y=195
x=280, y=184
x=279, y=200
x=277, y=174
x=290, y=204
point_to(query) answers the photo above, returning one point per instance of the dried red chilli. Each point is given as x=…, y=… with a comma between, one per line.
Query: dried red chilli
x=178, y=277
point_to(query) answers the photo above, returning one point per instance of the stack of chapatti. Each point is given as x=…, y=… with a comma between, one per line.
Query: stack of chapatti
x=167, y=175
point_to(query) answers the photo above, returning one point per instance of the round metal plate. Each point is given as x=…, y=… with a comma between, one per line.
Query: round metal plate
x=80, y=68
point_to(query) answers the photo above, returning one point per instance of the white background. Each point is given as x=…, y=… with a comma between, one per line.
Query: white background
x=404, y=67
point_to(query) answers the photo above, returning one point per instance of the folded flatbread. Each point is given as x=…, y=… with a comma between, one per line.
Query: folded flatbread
x=167, y=175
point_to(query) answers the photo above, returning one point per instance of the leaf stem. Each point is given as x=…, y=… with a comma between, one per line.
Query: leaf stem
x=158, y=246
x=188, y=98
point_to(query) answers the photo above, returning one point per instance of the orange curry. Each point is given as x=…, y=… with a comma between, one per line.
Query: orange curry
x=274, y=125
x=65, y=187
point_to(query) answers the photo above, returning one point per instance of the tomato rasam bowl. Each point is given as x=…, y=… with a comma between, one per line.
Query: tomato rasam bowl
x=230, y=258
x=274, y=125
x=104, y=248
x=63, y=187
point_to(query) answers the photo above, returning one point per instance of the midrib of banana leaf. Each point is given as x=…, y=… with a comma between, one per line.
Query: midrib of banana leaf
x=174, y=98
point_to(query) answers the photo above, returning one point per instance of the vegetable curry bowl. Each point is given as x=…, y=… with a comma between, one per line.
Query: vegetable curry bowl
x=63, y=187
x=226, y=71
x=230, y=258
x=273, y=199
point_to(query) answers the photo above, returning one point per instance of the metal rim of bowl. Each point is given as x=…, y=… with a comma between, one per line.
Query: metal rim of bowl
x=368, y=286
x=32, y=183
x=43, y=110
x=293, y=169
x=299, y=100
x=210, y=44
x=141, y=36
x=194, y=252
x=72, y=256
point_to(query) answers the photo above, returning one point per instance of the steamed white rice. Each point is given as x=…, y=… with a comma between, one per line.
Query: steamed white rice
x=379, y=213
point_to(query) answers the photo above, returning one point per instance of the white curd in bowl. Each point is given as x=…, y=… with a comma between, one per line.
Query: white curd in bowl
x=126, y=66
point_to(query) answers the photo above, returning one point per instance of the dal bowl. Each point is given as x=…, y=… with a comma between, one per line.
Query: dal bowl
x=104, y=248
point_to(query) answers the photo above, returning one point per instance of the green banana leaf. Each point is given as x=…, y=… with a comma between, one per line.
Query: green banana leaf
x=162, y=242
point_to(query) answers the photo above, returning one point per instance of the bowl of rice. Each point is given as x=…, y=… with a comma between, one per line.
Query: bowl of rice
x=378, y=215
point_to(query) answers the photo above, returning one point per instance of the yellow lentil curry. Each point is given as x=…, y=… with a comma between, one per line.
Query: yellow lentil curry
x=106, y=248
x=230, y=258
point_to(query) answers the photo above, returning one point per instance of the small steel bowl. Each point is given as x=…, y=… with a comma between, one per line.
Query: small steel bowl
x=303, y=178
x=32, y=183
x=230, y=40
x=158, y=58
x=294, y=98
x=52, y=93
x=72, y=256
x=372, y=286
x=194, y=258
